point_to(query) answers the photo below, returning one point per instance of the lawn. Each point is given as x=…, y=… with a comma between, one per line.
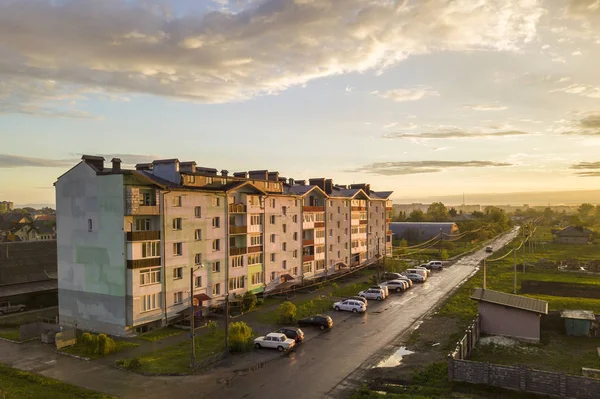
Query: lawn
x=563, y=276
x=158, y=334
x=176, y=358
x=349, y=290
x=79, y=349
x=12, y=334
x=17, y=384
x=304, y=309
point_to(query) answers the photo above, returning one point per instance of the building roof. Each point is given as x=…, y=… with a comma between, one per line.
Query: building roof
x=43, y=227
x=510, y=300
x=381, y=194
x=578, y=315
x=26, y=262
x=572, y=231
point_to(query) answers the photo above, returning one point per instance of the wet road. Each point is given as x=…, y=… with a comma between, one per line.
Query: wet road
x=328, y=364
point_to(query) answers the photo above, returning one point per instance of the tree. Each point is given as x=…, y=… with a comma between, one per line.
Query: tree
x=437, y=212
x=29, y=209
x=249, y=301
x=585, y=210
x=286, y=312
x=548, y=215
x=416, y=216
x=47, y=210
x=452, y=212
x=240, y=336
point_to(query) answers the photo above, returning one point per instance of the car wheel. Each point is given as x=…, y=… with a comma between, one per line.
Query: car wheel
x=322, y=327
x=354, y=310
x=21, y=309
x=280, y=348
x=257, y=345
x=379, y=298
x=337, y=308
x=398, y=289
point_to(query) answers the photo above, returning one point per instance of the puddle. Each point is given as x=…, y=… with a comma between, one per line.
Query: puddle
x=396, y=358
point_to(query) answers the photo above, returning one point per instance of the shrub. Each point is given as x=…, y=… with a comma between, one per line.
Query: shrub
x=106, y=345
x=88, y=339
x=130, y=364
x=444, y=255
x=212, y=326
x=249, y=301
x=240, y=337
x=286, y=312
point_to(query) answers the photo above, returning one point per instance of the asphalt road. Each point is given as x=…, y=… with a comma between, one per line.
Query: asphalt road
x=329, y=364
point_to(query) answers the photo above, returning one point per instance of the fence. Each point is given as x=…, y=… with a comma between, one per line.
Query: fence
x=523, y=379
x=207, y=361
x=468, y=341
x=67, y=337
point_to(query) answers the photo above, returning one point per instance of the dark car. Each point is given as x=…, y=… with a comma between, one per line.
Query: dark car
x=320, y=321
x=293, y=333
x=391, y=276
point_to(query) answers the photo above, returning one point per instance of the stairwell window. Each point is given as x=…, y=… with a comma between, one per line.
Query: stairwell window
x=216, y=222
x=198, y=281
x=272, y=237
x=284, y=228
x=177, y=201
x=216, y=245
x=272, y=219
x=177, y=249
x=198, y=211
x=216, y=289
x=198, y=234
x=216, y=201
x=216, y=267
x=178, y=298
x=198, y=259
x=272, y=257
x=177, y=224
x=273, y=276
x=295, y=254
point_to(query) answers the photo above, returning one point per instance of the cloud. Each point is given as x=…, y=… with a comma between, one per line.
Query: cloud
x=580, y=89
x=221, y=56
x=586, y=165
x=454, y=134
x=588, y=174
x=587, y=125
x=17, y=161
x=419, y=167
x=485, y=107
x=412, y=94
x=576, y=53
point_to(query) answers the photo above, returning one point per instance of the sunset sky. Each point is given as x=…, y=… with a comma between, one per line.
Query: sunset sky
x=424, y=97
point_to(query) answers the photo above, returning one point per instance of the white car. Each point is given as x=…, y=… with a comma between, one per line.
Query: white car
x=372, y=293
x=435, y=265
x=275, y=341
x=396, y=285
x=426, y=270
x=415, y=277
x=350, y=305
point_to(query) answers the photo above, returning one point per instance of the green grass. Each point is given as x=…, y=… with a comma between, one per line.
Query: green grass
x=79, y=349
x=12, y=334
x=304, y=309
x=563, y=303
x=17, y=384
x=563, y=277
x=176, y=358
x=350, y=290
x=157, y=335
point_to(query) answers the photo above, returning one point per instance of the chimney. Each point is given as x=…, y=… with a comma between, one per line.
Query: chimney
x=167, y=169
x=319, y=182
x=282, y=180
x=291, y=181
x=187, y=167
x=273, y=176
x=243, y=175
x=224, y=173
x=301, y=182
x=328, y=186
x=143, y=166
x=207, y=171
x=362, y=186
x=258, y=174
x=94, y=161
x=116, y=164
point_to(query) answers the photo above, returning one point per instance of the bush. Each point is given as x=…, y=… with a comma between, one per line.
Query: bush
x=240, y=337
x=249, y=301
x=212, y=326
x=89, y=340
x=130, y=364
x=286, y=313
x=106, y=345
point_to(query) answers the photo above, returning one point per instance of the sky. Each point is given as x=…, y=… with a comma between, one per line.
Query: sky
x=422, y=98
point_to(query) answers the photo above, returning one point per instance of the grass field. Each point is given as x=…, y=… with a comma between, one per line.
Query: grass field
x=10, y=333
x=159, y=334
x=79, y=349
x=17, y=384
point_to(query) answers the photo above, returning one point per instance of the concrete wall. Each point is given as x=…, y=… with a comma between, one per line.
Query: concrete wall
x=337, y=240
x=376, y=227
x=91, y=264
x=509, y=322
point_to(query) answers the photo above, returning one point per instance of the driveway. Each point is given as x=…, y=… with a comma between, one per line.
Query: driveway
x=328, y=364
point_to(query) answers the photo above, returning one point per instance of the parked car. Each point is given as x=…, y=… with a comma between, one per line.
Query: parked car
x=415, y=277
x=372, y=293
x=277, y=341
x=489, y=249
x=434, y=265
x=391, y=276
x=396, y=285
x=292, y=333
x=321, y=321
x=10, y=307
x=424, y=269
x=418, y=271
x=350, y=305
x=382, y=287
x=359, y=298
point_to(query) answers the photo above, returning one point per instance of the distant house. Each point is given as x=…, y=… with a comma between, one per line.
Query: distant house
x=509, y=315
x=422, y=231
x=16, y=227
x=45, y=230
x=574, y=235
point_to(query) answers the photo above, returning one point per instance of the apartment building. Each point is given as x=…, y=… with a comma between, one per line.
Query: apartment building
x=133, y=244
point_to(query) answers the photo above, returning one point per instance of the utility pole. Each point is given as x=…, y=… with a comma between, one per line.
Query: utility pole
x=441, y=241
x=378, y=259
x=192, y=317
x=515, y=277
x=484, y=274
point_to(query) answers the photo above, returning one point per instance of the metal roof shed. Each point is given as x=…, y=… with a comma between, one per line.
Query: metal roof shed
x=578, y=322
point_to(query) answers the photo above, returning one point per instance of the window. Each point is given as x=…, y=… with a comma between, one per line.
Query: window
x=338, y=224
x=320, y=265
x=177, y=224
x=376, y=209
x=345, y=245
x=272, y=237
x=295, y=254
x=177, y=201
x=257, y=278
x=338, y=254
x=320, y=249
x=295, y=271
x=177, y=273
x=284, y=228
x=345, y=216
x=330, y=203
x=178, y=298
x=295, y=236
x=216, y=267
x=330, y=247
x=150, y=276
x=272, y=257
x=345, y=204
x=254, y=259
x=319, y=233
x=142, y=224
x=331, y=217
x=177, y=249
x=284, y=264
x=295, y=218
x=346, y=231
x=272, y=219
x=284, y=210
x=255, y=240
x=236, y=283
x=255, y=220
x=330, y=232
x=320, y=217
x=307, y=267
x=284, y=246
x=273, y=276
x=296, y=203
x=216, y=222
x=216, y=289
x=150, y=249
x=198, y=234
x=198, y=281
x=198, y=259
x=216, y=245
x=89, y=224
x=272, y=200
x=198, y=211
x=145, y=199
x=216, y=201
x=338, y=239
x=237, y=261
x=151, y=302
x=339, y=210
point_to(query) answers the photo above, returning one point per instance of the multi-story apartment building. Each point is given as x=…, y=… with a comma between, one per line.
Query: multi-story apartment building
x=133, y=244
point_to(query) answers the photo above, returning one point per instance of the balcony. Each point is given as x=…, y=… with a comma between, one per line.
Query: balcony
x=134, y=210
x=359, y=208
x=306, y=243
x=255, y=249
x=388, y=208
x=307, y=258
x=388, y=220
x=320, y=256
x=362, y=221
x=238, y=230
x=255, y=228
x=237, y=208
x=389, y=232
x=143, y=235
x=319, y=225
x=313, y=209
x=146, y=262
x=238, y=251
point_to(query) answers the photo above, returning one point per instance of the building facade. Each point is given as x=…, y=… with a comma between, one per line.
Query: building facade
x=134, y=244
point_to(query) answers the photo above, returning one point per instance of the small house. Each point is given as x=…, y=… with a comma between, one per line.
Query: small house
x=509, y=315
x=574, y=235
x=578, y=323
